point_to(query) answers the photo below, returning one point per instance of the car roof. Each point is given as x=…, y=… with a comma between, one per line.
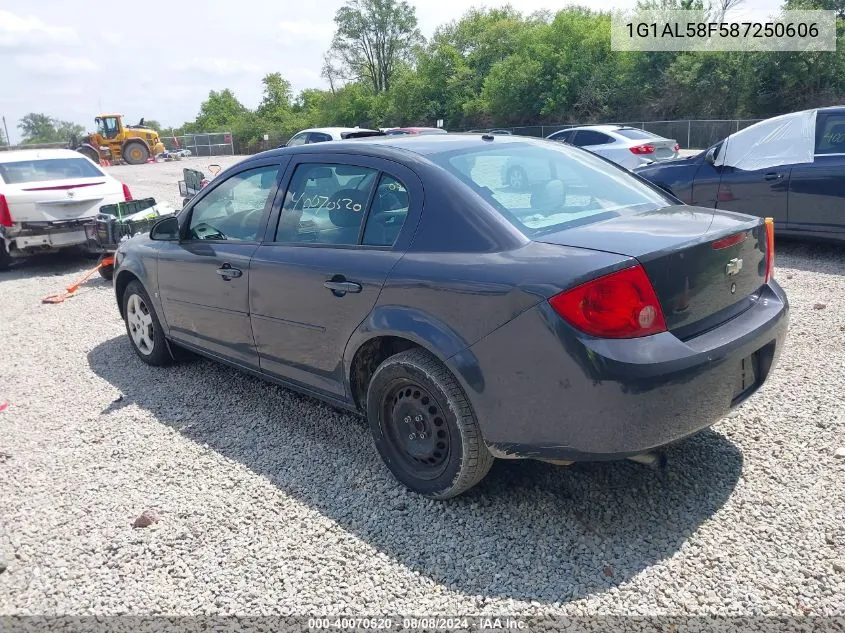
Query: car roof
x=598, y=128
x=14, y=155
x=336, y=130
x=398, y=145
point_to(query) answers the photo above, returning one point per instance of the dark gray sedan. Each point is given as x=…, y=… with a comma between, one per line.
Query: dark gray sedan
x=592, y=317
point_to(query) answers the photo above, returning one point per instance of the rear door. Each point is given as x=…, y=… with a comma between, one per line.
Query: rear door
x=593, y=140
x=760, y=192
x=817, y=190
x=56, y=189
x=203, y=279
x=324, y=261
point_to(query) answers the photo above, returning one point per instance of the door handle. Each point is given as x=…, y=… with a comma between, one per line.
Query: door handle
x=340, y=288
x=227, y=272
x=773, y=176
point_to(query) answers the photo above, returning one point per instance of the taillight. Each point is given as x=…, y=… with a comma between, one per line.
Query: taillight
x=770, y=248
x=731, y=240
x=619, y=305
x=642, y=149
x=677, y=147
x=126, y=193
x=5, y=215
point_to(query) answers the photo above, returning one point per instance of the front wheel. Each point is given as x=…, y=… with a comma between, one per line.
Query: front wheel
x=143, y=327
x=424, y=427
x=135, y=153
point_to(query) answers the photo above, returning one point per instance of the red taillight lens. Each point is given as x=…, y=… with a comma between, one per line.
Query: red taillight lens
x=677, y=147
x=770, y=248
x=5, y=215
x=643, y=149
x=620, y=305
x=126, y=193
x=731, y=240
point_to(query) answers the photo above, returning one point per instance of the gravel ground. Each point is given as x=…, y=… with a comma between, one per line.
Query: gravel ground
x=270, y=503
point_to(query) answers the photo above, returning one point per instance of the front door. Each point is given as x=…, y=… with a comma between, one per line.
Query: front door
x=760, y=192
x=817, y=189
x=344, y=224
x=204, y=278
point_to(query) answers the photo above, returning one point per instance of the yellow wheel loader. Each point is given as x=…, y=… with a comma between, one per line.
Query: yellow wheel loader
x=115, y=142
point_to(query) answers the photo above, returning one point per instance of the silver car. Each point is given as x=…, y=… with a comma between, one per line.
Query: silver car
x=629, y=147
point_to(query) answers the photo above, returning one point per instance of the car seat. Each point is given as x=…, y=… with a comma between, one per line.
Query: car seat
x=345, y=219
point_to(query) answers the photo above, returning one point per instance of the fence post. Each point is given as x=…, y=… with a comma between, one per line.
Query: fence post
x=689, y=133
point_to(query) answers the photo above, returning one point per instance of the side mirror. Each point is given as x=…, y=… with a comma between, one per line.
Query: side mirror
x=165, y=230
x=710, y=156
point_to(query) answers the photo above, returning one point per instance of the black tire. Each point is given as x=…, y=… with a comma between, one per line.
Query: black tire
x=517, y=179
x=107, y=272
x=5, y=258
x=90, y=154
x=152, y=347
x=135, y=153
x=444, y=454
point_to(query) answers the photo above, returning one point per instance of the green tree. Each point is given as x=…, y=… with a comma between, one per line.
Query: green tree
x=39, y=128
x=373, y=38
x=221, y=110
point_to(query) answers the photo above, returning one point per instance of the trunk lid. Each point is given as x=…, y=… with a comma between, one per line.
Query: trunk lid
x=701, y=278
x=663, y=149
x=60, y=200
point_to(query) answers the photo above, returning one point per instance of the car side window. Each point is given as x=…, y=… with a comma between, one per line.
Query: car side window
x=319, y=137
x=325, y=204
x=298, y=139
x=387, y=213
x=830, y=134
x=233, y=209
x=563, y=137
x=587, y=138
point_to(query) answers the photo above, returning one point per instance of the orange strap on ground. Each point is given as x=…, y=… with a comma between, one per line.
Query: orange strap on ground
x=58, y=298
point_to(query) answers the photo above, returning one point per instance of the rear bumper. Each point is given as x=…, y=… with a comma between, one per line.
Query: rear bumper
x=542, y=390
x=33, y=237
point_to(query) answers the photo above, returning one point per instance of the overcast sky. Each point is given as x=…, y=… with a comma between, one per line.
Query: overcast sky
x=159, y=58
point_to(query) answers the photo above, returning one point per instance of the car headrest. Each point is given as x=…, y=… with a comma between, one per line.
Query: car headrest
x=345, y=215
x=387, y=200
x=549, y=196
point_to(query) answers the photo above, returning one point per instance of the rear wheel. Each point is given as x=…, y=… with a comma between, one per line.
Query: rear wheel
x=424, y=427
x=135, y=153
x=90, y=154
x=143, y=327
x=5, y=258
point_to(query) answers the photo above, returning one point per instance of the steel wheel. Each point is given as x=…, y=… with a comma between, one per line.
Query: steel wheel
x=140, y=324
x=517, y=178
x=415, y=427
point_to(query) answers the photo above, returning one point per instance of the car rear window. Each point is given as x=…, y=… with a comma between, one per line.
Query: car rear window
x=563, y=186
x=40, y=170
x=635, y=134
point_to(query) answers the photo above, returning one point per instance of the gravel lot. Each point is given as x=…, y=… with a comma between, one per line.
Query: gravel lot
x=271, y=503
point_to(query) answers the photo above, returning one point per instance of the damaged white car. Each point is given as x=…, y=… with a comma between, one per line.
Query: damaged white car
x=47, y=196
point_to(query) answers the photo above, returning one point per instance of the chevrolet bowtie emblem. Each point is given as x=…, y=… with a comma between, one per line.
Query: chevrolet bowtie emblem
x=733, y=267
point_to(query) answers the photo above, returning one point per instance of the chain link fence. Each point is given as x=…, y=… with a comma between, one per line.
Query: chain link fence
x=689, y=133
x=211, y=144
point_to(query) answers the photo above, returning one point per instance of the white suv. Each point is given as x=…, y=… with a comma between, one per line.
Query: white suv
x=46, y=198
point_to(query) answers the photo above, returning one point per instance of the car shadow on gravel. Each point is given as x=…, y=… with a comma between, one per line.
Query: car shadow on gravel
x=529, y=531
x=51, y=264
